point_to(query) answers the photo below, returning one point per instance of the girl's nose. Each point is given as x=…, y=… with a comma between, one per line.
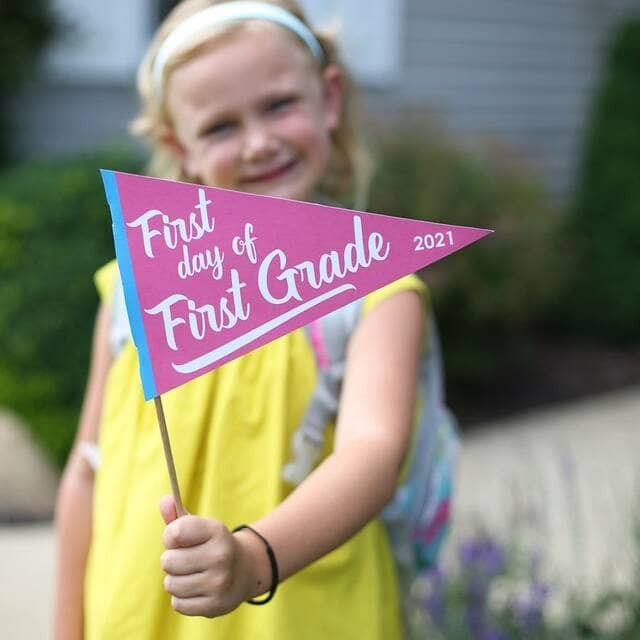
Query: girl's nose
x=258, y=143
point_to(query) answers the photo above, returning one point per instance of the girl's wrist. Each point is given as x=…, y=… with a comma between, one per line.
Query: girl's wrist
x=257, y=565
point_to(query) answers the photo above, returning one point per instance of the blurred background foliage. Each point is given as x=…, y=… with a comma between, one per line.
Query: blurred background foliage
x=25, y=29
x=546, y=270
x=494, y=293
x=602, y=297
x=54, y=233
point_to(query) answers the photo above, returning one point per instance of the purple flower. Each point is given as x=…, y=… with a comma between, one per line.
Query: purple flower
x=475, y=619
x=461, y=601
x=529, y=612
x=434, y=602
x=484, y=556
x=535, y=563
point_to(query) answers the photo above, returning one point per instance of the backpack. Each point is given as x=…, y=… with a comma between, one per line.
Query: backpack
x=417, y=519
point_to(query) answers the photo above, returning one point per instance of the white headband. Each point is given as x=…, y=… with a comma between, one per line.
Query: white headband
x=231, y=12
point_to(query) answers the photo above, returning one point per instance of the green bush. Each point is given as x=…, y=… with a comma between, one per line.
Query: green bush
x=603, y=299
x=55, y=232
x=490, y=295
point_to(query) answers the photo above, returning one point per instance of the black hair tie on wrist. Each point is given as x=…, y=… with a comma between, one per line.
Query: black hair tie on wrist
x=275, y=578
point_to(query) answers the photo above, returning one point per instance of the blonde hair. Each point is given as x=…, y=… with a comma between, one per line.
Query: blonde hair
x=348, y=174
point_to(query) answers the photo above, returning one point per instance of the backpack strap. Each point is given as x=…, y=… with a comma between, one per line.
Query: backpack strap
x=119, y=331
x=329, y=337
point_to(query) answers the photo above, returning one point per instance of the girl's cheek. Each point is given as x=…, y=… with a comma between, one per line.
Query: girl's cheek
x=222, y=162
x=301, y=129
x=312, y=140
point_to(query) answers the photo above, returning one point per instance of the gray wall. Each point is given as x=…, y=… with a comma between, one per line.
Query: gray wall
x=522, y=71
x=57, y=119
x=519, y=72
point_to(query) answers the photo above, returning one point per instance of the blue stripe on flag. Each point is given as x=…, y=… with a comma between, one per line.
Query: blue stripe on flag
x=129, y=284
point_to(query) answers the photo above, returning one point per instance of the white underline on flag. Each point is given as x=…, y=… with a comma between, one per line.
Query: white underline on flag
x=226, y=349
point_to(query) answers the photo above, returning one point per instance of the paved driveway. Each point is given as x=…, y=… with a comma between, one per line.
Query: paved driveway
x=26, y=574
x=568, y=478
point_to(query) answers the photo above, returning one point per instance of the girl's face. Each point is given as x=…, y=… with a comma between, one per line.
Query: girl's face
x=255, y=114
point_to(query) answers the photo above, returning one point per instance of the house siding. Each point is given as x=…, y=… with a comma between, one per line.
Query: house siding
x=515, y=71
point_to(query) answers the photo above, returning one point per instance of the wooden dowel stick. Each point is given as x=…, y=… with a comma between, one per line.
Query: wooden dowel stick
x=166, y=443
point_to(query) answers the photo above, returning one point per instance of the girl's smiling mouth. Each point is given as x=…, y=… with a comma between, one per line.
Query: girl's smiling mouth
x=271, y=174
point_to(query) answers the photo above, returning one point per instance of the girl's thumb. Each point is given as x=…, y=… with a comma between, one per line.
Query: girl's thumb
x=168, y=509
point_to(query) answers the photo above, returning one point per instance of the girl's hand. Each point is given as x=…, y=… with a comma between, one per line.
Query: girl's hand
x=208, y=569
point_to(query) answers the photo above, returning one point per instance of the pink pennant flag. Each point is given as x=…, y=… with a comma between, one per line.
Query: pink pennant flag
x=210, y=274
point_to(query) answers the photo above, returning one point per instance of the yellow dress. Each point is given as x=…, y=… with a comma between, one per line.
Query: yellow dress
x=230, y=433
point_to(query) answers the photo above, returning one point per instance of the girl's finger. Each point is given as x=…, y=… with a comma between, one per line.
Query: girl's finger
x=200, y=606
x=168, y=509
x=190, y=531
x=189, y=586
x=183, y=562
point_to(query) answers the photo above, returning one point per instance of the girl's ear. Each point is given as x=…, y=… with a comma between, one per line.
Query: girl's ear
x=333, y=79
x=169, y=139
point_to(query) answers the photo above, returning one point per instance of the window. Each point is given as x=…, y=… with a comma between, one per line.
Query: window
x=369, y=33
x=103, y=41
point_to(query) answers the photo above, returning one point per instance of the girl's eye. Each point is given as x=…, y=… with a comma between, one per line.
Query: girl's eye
x=218, y=129
x=280, y=103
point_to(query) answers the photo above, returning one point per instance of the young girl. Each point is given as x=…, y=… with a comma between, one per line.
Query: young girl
x=241, y=95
